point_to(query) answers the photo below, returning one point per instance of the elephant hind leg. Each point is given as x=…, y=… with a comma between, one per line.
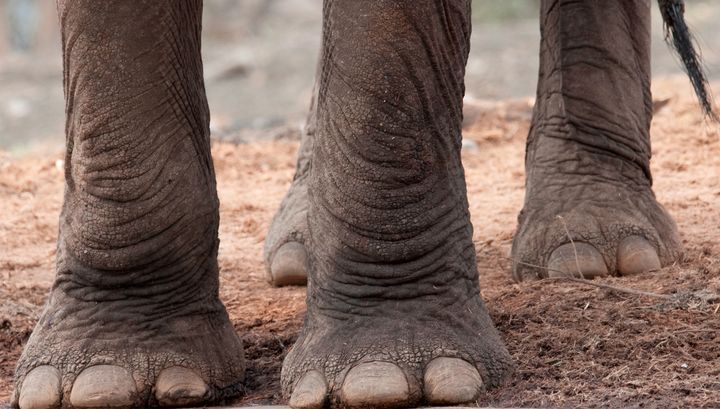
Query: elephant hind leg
x=285, y=251
x=589, y=206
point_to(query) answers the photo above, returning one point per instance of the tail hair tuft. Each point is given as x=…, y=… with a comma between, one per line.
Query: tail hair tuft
x=677, y=35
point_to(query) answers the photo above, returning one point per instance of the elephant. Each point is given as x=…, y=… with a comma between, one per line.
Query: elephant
x=377, y=216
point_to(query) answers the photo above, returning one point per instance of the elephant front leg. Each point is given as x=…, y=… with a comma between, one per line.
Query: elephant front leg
x=394, y=312
x=134, y=318
x=589, y=206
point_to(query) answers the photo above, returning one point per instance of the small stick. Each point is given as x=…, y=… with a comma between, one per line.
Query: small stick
x=577, y=258
x=598, y=285
x=614, y=288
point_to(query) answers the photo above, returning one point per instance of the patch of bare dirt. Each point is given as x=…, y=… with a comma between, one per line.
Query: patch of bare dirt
x=574, y=344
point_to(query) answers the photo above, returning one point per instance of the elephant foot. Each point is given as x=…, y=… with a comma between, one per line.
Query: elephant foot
x=430, y=354
x=589, y=206
x=593, y=219
x=284, y=250
x=94, y=354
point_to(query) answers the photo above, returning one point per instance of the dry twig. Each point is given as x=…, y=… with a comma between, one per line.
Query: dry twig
x=577, y=258
x=598, y=285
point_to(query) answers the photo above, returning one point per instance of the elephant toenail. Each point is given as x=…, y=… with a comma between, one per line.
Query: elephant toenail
x=576, y=260
x=40, y=389
x=636, y=255
x=289, y=266
x=451, y=381
x=375, y=384
x=103, y=386
x=310, y=392
x=178, y=386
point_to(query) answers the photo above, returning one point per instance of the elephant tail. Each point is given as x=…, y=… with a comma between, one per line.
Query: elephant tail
x=677, y=35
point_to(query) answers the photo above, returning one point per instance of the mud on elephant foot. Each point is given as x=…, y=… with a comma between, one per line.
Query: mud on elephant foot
x=419, y=353
x=85, y=354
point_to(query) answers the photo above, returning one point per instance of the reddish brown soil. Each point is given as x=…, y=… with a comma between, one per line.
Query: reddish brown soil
x=574, y=343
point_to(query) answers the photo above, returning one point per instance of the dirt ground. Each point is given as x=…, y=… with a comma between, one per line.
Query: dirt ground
x=574, y=343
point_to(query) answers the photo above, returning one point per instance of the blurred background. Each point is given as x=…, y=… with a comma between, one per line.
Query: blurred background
x=259, y=62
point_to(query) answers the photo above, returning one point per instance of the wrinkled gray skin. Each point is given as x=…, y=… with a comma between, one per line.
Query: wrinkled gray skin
x=377, y=215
